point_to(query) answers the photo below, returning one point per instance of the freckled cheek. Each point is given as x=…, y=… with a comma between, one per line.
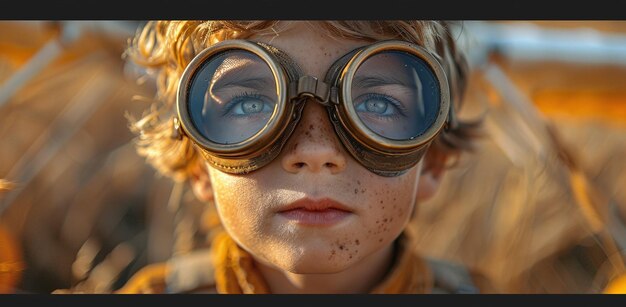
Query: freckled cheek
x=389, y=210
x=239, y=215
x=232, y=214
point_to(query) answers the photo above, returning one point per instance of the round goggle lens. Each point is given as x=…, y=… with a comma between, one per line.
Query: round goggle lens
x=396, y=95
x=232, y=97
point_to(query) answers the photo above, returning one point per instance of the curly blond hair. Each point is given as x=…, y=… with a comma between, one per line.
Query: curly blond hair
x=165, y=48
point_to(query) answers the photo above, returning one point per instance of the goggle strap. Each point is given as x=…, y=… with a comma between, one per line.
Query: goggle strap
x=177, y=130
x=451, y=122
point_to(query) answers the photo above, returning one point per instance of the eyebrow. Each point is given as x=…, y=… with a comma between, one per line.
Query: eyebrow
x=247, y=75
x=380, y=80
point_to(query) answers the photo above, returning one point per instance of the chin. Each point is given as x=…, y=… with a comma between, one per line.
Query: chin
x=315, y=267
x=315, y=261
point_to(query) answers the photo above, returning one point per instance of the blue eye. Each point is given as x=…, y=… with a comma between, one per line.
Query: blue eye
x=379, y=105
x=248, y=105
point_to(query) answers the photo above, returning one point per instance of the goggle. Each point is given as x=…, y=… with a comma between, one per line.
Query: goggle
x=239, y=101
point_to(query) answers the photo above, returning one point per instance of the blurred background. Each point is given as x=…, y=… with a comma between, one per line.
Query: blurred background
x=540, y=206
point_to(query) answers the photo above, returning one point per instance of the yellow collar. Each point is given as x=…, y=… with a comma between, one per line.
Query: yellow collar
x=236, y=273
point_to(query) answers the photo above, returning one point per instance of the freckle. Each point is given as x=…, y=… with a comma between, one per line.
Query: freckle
x=380, y=240
x=357, y=242
x=358, y=182
x=385, y=220
x=311, y=127
x=376, y=222
x=350, y=256
x=394, y=198
x=383, y=207
x=381, y=201
x=356, y=191
x=363, y=191
x=341, y=247
x=390, y=219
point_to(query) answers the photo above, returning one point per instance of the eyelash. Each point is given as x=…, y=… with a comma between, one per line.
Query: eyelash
x=398, y=105
x=237, y=99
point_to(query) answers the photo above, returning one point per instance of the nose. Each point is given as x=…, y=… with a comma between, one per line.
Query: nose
x=313, y=146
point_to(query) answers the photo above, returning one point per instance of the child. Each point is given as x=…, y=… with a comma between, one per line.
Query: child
x=315, y=141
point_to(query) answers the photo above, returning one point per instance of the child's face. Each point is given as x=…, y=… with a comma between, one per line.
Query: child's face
x=314, y=165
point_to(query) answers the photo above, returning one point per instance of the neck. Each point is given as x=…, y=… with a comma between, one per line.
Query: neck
x=359, y=278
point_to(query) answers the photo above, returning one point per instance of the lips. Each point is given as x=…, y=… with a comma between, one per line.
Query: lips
x=323, y=212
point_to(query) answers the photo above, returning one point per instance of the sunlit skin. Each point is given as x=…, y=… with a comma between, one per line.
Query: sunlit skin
x=349, y=256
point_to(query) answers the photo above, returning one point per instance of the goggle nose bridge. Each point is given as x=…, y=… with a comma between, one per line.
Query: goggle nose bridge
x=309, y=86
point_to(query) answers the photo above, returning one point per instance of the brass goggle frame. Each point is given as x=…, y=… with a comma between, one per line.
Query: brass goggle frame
x=381, y=155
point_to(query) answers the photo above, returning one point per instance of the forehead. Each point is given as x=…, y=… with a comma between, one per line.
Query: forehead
x=312, y=49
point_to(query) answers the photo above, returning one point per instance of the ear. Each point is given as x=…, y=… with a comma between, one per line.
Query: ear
x=431, y=175
x=201, y=183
